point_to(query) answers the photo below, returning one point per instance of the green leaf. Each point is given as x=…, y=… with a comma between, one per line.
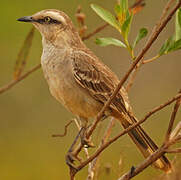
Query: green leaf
x=109, y=41
x=118, y=9
x=142, y=33
x=124, y=5
x=179, y=16
x=23, y=54
x=105, y=15
x=175, y=46
x=122, y=11
x=178, y=25
x=165, y=46
x=126, y=26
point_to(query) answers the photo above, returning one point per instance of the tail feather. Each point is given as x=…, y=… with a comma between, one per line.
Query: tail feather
x=144, y=143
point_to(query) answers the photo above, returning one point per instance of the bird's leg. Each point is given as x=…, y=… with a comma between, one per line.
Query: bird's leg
x=70, y=157
x=86, y=142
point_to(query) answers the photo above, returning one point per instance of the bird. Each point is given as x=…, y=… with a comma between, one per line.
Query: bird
x=81, y=82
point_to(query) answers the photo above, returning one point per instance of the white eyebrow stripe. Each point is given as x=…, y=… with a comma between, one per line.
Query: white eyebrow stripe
x=56, y=15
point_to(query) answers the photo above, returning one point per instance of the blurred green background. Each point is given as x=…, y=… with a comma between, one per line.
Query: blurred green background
x=29, y=115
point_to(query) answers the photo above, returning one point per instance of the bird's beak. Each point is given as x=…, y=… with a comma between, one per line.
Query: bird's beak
x=26, y=19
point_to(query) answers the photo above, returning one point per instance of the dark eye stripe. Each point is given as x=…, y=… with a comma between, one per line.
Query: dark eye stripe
x=41, y=21
x=52, y=21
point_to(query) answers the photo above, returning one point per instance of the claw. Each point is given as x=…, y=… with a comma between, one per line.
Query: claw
x=70, y=158
x=84, y=140
x=86, y=143
x=132, y=170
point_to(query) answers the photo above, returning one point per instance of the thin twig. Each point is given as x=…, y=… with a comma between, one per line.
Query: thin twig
x=147, y=162
x=138, y=3
x=166, y=9
x=178, y=96
x=178, y=150
x=65, y=130
x=132, y=78
x=94, y=32
x=176, y=131
x=172, y=119
x=14, y=82
x=108, y=131
x=150, y=41
x=150, y=60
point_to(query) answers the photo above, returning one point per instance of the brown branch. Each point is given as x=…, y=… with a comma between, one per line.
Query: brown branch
x=132, y=78
x=169, y=141
x=108, y=131
x=104, y=146
x=147, y=162
x=178, y=150
x=14, y=82
x=172, y=119
x=133, y=75
x=65, y=130
x=139, y=65
x=138, y=3
x=178, y=96
x=152, y=158
x=94, y=32
x=137, y=6
x=176, y=131
x=155, y=33
x=150, y=60
x=166, y=9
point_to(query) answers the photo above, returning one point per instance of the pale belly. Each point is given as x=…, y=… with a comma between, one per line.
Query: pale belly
x=66, y=90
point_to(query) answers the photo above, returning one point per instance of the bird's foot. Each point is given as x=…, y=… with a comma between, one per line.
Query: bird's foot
x=70, y=158
x=86, y=142
x=132, y=170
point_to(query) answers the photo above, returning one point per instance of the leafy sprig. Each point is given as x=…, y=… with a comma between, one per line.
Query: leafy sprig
x=121, y=21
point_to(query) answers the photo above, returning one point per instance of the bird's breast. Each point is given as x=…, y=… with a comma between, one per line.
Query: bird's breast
x=65, y=89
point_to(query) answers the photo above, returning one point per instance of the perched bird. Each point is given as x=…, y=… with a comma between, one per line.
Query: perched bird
x=80, y=81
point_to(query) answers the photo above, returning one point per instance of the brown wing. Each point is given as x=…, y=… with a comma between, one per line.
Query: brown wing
x=96, y=78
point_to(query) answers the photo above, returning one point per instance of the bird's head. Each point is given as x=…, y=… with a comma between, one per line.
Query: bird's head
x=55, y=27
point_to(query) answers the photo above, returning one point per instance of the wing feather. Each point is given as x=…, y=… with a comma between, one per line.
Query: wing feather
x=96, y=78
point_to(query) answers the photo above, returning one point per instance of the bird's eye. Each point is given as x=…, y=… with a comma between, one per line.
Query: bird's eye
x=47, y=19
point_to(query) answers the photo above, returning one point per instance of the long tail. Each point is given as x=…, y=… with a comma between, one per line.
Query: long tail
x=144, y=143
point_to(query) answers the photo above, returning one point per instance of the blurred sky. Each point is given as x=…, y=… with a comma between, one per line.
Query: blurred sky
x=29, y=115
